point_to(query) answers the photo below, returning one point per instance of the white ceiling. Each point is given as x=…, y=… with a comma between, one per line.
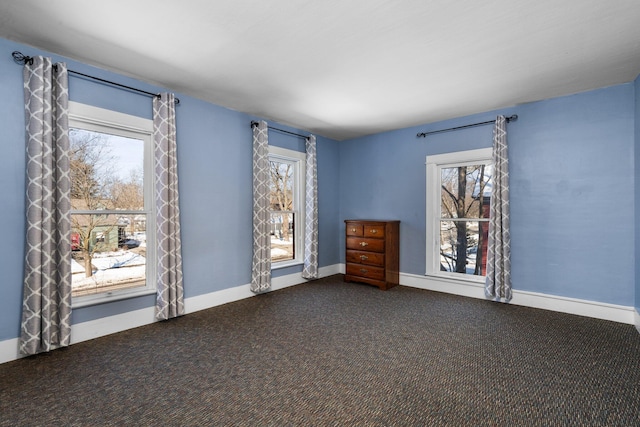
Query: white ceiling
x=345, y=68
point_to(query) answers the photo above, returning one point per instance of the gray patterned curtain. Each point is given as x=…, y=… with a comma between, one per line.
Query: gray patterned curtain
x=46, y=308
x=170, y=293
x=498, y=282
x=310, y=270
x=261, y=265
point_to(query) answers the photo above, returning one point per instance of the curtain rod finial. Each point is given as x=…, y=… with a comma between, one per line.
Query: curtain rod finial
x=20, y=58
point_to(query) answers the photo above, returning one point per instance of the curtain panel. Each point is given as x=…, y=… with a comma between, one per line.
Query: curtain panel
x=498, y=281
x=310, y=270
x=46, y=308
x=170, y=290
x=261, y=262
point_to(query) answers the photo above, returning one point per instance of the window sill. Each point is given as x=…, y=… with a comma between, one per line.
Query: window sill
x=285, y=264
x=103, y=298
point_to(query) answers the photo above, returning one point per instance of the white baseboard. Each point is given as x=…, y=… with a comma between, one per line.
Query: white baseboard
x=213, y=299
x=456, y=287
x=133, y=319
x=598, y=310
x=637, y=317
x=9, y=350
x=121, y=322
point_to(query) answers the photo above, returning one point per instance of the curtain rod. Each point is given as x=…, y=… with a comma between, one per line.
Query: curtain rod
x=512, y=118
x=281, y=130
x=21, y=59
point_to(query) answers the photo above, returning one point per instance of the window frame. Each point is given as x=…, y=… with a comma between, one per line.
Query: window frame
x=83, y=116
x=434, y=165
x=298, y=159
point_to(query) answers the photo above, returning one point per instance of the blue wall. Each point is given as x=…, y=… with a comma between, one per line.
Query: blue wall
x=572, y=190
x=214, y=155
x=637, y=193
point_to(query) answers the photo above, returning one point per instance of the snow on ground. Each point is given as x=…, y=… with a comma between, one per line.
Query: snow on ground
x=277, y=252
x=281, y=249
x=112, y=267
x=106, y=260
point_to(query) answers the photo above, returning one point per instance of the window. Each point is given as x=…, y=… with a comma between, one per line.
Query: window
x=458, y=202
x=112, y=205
x=287, y=171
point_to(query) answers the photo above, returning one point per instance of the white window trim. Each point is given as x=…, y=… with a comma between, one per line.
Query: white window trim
x=433, y=209
x=101, y=120
x=299, y=181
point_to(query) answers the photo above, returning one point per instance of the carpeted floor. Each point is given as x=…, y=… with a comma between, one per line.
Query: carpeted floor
x=328, y=353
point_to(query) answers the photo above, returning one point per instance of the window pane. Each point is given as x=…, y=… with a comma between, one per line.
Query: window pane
x=465, y=191
x=463, y=247
x=106, y=171
x=281, y=186
x=282, y=236
x=108, y=252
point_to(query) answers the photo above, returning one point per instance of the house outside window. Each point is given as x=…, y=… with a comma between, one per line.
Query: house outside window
x=458, y=204
x=286, y=197
x=112, y=205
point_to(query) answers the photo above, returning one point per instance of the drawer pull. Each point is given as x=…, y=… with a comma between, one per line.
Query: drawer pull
x=353, y=230
x=363, y=244
x=364, y=257
x=374, y=231
x=364, y=270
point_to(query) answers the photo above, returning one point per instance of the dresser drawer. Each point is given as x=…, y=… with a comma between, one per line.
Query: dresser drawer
x=365, y=244
x=367, y=258
x=372, y=254
x=376, y=231
x=367, y=271
x=354, y=230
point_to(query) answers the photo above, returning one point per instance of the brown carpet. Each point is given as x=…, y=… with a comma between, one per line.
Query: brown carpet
x=328, y=353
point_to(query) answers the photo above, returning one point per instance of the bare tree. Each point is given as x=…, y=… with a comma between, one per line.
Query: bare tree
x=281, y=193
x=479, y=271
x=91, y=177
x=462, y=199
x=128, y=195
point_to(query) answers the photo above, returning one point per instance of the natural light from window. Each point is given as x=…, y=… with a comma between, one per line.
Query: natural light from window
x=108, y=249
x=110, y=207
x=458, y=204
x=286, y=169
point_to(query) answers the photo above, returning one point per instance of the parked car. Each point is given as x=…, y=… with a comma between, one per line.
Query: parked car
x=129, y=243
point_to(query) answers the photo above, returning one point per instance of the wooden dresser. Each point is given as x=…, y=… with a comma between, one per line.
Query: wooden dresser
x=373, y=253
